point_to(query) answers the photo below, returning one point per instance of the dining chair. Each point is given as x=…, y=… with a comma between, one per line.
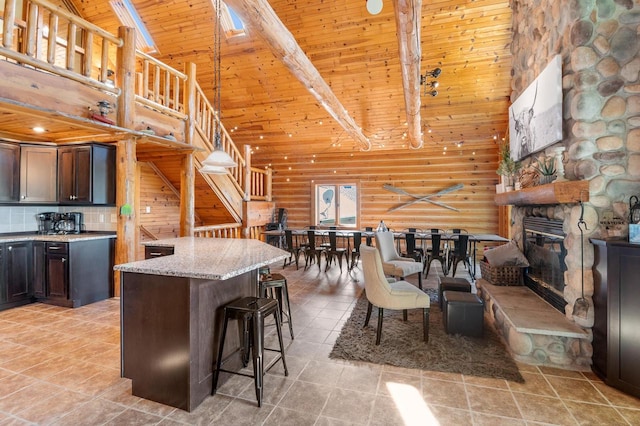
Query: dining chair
x=435, y=253
x=333, y=251
x=355, y=251
x=294, y=250
x=311, y=251
x=368, y=237
x=387, y=293
x=392, y=263
x=460, y=253
x=411, y=249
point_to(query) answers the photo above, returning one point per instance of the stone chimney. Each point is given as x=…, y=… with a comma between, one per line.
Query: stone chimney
x=599, y=44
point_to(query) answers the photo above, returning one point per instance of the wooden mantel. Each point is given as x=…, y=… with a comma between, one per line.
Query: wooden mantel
x=571, y=191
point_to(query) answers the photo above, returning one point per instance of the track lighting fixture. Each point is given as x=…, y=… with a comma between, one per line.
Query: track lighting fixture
x=430, y=86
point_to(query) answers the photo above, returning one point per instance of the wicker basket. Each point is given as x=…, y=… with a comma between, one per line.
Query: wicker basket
x=501, y=275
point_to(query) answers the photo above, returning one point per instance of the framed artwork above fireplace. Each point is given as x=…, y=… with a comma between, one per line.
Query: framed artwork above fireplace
x=535, y=118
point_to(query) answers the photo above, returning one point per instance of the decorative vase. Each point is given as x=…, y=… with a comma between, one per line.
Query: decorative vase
x=559, y=164
x=544, y=179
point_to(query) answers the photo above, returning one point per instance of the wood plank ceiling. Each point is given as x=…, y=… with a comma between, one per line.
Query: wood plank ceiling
x=357, y=55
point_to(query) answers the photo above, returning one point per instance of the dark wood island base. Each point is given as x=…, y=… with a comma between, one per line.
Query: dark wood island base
x=171, y=330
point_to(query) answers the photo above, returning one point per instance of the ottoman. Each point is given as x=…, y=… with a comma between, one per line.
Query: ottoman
x=452, y=284
x=463, y=313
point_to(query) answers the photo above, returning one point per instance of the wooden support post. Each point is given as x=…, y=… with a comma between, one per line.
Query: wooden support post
x=126, y=177
x=187, y=172
x=247, y=173
x=269, y=183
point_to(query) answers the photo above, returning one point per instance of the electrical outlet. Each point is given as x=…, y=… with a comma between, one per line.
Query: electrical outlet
x=147, y=209
x=114, y=218
x=101, y=218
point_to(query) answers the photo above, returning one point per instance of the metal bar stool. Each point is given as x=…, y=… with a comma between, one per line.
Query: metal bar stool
x=270, y=285
x=251, y=311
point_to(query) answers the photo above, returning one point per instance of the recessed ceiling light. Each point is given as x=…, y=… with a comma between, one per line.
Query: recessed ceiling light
x=38, y=129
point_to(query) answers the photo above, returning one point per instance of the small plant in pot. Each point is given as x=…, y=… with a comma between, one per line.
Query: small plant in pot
x=507, y=166
x=546, y=169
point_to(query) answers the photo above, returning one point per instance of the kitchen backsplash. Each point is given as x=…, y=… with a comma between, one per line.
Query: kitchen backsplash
x=23, y=218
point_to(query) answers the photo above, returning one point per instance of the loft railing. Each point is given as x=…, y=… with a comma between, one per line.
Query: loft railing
x=228, y=230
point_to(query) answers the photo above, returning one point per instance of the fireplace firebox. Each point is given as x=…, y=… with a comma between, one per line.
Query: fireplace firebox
x=545, y=251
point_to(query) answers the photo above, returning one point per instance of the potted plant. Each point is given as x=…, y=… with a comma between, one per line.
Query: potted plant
x=507, y=166
x=546, y=168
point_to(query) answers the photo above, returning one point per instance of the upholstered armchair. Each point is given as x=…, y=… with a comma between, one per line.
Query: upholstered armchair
x=390, y=294
x=392, y=263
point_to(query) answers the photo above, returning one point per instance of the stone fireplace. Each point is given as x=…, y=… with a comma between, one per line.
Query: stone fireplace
x=599, y=44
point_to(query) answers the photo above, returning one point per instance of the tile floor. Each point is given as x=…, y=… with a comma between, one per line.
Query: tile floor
x=61, y=366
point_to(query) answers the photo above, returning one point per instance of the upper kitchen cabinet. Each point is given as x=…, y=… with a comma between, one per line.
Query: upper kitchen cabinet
x=38, y=174
x=9, y=172
x=86, y=174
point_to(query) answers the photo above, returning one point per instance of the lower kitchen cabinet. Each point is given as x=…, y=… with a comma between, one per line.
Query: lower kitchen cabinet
x=15, y=274
x=76, y=273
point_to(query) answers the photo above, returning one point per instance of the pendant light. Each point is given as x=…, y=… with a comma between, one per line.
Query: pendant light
x=218, y=161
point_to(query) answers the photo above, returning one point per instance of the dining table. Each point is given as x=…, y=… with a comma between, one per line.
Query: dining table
x=347, y=236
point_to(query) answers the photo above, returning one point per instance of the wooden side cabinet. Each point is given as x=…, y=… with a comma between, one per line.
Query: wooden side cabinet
x=616, y=300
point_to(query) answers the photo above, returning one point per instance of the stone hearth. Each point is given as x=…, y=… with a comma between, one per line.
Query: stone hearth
x=535, y=332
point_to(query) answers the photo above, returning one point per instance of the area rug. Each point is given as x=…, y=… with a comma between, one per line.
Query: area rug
x=402, y=344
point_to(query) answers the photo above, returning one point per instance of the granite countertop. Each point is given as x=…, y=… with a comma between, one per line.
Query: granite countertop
x=207, y=258
x=68, y=238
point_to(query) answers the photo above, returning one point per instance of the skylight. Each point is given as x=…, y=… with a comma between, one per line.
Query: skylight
x=128, y=16
x=232, y=25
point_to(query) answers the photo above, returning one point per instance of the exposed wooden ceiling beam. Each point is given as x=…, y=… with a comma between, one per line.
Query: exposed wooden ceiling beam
x=408, y=15
x=264, y=21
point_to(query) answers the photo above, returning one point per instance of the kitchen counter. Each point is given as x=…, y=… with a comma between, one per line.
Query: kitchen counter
x=207, y=258
x=172, y=314
x=59, y=238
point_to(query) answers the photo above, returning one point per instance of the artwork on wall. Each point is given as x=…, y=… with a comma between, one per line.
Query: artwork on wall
x=535, y=118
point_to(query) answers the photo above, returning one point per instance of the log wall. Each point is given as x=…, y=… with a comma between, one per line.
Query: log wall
x=163, y=221
x=418, y=172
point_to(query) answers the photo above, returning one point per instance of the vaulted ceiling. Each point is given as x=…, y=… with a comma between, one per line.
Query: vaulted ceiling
x=268, y=105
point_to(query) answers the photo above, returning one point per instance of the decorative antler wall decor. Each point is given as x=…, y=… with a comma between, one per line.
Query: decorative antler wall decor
x=425, y=198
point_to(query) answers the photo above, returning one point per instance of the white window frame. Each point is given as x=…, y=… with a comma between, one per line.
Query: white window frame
x=336, y=184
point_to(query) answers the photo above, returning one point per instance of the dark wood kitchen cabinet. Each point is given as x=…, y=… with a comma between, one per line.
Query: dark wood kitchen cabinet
x=616, y=302
x=57, y=272
x=74, y=273
x=38, y=279
x=15, y=273
x=86, y=174
x=157, y=251
x=38, y=174
x=9, y=172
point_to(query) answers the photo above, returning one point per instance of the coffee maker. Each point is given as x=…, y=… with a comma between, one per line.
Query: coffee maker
x=46, y=222
x=69, y=223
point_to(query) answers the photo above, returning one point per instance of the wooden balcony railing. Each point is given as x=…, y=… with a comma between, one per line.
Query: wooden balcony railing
x=59, y=42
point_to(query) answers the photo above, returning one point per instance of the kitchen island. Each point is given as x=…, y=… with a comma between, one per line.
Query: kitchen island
x=172, y=312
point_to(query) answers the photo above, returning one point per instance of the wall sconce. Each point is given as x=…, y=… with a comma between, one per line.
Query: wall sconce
x=430, y=86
